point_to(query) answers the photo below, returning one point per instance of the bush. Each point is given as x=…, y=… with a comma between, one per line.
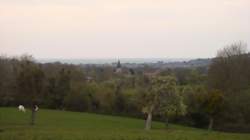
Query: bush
x=77, y=100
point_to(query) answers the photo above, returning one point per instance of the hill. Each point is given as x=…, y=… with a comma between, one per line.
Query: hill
x=135, y=62
x=57, y=125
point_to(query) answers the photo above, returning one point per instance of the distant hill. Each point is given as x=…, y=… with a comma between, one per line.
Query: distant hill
x=137, y=62
x=113, y=60
x=173, y=64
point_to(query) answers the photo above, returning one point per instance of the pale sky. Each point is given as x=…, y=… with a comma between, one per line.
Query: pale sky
x=121, y=28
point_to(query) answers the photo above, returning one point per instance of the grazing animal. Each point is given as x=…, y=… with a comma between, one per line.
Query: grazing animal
x=36, y=108
x=21, y=108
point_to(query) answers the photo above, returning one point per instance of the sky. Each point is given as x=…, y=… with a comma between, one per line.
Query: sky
x=122, y=28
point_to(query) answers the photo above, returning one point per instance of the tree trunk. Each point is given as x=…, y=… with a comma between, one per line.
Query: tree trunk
x=148, y=121
x=33, y=116
x=166, y=122
x=211, y=122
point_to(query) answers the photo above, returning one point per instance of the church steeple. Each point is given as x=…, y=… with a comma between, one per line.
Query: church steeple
x=118, y=64
x=118, y=67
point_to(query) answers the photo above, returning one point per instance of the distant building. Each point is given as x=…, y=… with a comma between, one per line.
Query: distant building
x=151, y=73
x=118, y=67
x=89, y=79
x=123, y=70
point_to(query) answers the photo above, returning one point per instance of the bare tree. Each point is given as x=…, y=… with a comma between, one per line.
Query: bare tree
x=234, y=49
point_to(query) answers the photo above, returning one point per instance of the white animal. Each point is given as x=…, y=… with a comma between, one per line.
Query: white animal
x=21, y=108
x=36, y=108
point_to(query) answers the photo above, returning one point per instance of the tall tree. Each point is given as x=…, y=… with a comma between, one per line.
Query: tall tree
x=229, y=73
x=30, y=80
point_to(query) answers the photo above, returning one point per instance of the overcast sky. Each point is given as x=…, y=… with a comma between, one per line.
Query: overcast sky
x=121, y=28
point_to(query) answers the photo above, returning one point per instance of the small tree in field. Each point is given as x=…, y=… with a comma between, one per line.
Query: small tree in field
x=171, y=107
x=30, y=84
x=170, y=102
x=149, y=102
x=160, y=98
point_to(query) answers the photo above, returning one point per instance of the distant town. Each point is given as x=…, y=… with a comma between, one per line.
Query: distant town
x=161, y=63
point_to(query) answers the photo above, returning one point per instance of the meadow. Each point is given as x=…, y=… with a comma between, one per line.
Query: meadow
x=64, y=125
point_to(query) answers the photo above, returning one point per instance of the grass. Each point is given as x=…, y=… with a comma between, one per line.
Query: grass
x=63, y=125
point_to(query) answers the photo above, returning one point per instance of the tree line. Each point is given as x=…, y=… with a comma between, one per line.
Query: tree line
x=213, y=97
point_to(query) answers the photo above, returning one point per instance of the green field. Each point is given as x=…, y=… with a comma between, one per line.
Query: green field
x=62, y=125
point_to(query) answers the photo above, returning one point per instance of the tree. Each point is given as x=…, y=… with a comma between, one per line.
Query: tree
x=119, y=104
x=63, y=87
x=235, y=49
x=194, y=98
x=213, y=104
x=160, y=98
x=7, y=80
x=172, y=107
x=171, y=102
x=30, y=84
x=229, y=73
x=58, y=87
x=148, y=103
x=77, y=99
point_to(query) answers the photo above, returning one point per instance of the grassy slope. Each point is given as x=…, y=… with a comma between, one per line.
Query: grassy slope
x=53, y=125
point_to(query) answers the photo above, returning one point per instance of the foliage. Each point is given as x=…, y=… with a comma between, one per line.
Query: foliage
x=170, y=102
x=191, y=96
x=230, y=73
x=29, y=81
x=162, y=98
